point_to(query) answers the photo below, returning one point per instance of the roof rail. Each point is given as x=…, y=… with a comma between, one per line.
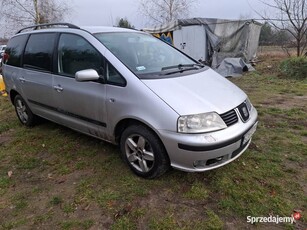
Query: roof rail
x=38, y=26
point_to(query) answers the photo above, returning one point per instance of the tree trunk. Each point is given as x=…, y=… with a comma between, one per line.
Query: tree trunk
x=37, y=16
x=299, y=43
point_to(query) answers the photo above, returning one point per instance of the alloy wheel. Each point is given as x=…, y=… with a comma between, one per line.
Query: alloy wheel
x=139, y=153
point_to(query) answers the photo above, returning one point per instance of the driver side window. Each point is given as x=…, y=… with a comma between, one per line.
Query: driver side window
x=75, y=53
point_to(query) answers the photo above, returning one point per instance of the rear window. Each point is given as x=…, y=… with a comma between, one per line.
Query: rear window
x=14, y=49
x=39, y=52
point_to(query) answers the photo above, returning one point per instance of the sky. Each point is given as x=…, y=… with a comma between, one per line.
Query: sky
x=107, y=12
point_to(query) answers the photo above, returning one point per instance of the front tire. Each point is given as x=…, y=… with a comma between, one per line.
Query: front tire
x=24, y=114
x=143, y=151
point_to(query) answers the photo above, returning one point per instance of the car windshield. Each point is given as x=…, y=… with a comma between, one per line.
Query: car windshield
x=147, y=56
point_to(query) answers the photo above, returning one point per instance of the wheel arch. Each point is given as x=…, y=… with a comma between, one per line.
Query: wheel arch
x=13, y=94
x=123, y=124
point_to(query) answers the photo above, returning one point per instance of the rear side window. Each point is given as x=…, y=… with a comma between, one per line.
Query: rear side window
x=39, y=52
x=14, y=50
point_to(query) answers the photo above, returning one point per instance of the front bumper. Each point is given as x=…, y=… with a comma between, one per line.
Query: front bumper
x=202, y=152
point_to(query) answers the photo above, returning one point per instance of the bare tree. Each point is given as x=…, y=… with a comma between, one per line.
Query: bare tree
x=26, y=12
x=292, y=17
x=161, y=11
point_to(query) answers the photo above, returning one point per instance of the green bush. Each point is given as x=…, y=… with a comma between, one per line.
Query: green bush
x=295, y=67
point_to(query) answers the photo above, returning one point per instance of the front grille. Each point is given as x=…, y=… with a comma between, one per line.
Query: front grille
x=230, y=117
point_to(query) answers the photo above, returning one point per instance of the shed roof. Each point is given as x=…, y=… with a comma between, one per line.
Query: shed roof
x=211, y=22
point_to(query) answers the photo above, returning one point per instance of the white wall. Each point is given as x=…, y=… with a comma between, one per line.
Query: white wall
x=192, y=41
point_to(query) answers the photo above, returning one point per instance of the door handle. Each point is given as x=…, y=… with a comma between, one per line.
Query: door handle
x=58, y=88
x=22, y=80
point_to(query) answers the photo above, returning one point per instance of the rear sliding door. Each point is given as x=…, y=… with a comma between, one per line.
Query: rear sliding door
x=36, y=75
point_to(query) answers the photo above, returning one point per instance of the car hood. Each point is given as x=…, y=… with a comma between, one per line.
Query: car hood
x=203, y=92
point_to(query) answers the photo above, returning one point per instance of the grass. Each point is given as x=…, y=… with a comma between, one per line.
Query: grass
x=198, y=191
x=56, y=200
x=59, y=175
x=76, y=224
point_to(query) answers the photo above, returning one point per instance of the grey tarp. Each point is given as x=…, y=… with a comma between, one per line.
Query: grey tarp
x=233, y=67
x=226, y=38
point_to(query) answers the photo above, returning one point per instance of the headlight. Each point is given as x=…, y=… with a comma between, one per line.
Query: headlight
x=248, y=104
x=200, y=123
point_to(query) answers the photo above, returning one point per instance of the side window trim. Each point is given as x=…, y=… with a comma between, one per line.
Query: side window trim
x=23, y=50
x=57, y=59
x=30, y=67
x=55, y=54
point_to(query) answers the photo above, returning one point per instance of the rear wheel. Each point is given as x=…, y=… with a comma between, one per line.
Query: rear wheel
x=143, y=152
x=24, y=114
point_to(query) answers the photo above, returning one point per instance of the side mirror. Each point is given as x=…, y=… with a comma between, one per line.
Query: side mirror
x=87, y=75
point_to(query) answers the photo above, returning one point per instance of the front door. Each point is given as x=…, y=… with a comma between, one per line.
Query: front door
x=81, y=104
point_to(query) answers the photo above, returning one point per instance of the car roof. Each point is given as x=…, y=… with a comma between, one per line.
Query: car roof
x=105, y=29
x=89, y=29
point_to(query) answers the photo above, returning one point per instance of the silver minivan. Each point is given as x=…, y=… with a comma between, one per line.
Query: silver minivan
x=129, y=88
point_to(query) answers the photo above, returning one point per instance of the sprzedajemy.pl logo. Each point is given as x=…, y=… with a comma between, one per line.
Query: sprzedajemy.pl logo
x=273, y=219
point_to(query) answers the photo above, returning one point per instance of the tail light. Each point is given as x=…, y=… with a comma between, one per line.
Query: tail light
x=5, y=57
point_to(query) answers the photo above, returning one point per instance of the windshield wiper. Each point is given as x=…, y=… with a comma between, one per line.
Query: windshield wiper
x=182, y=67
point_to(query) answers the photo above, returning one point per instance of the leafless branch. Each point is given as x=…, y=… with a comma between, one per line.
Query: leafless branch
x=162, y=11
x=293, y=18
x=20, y=13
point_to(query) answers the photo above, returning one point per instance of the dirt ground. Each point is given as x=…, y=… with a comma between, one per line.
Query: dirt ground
x=54, y=178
